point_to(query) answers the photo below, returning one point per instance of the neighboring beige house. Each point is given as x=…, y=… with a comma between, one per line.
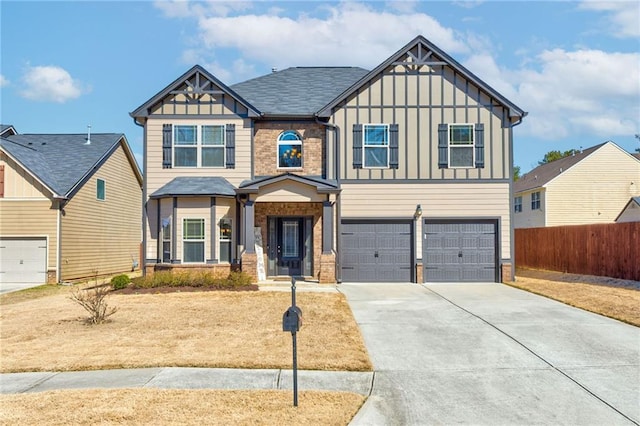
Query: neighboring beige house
x=630, y=212
x=400, y=173
x=590, y=187
x=69, y=207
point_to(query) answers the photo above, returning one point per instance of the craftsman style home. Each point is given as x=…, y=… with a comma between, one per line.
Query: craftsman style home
x=400, y=173
x=69, y=207
x=591, y=186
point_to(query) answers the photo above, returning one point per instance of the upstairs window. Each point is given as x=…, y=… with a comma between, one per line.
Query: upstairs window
x=376, y=145
x=100, y=190
x=289, y=150
x=535, y=200
x=199, y=146
x=517, y=204
x=461, y=145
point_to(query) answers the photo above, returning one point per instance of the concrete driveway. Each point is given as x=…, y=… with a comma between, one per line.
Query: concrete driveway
x=489, y=354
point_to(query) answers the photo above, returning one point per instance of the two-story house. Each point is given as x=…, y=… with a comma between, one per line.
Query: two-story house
x=400, y=173
x=591, y=186
x=69, y=207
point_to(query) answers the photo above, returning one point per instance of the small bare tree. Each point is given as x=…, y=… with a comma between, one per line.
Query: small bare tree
x=94, y=301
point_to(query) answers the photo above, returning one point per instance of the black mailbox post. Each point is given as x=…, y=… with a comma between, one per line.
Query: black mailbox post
x=292, y=321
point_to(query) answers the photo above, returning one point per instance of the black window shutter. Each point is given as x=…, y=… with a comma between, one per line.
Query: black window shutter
x=230, y=162
x=167, y=130
x=443, y=145
x=479, y=145
x=393, y=146
x=357, y=146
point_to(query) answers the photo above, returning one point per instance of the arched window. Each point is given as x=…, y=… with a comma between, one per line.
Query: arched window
x=289, y=150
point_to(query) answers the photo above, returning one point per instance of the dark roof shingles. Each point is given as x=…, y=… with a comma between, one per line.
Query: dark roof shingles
x=298, y=91
x=60, y=161
x=196, y=186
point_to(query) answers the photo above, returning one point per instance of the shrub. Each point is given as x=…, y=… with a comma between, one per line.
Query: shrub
x=94, y=301
x=201, y=279
x=120, y=281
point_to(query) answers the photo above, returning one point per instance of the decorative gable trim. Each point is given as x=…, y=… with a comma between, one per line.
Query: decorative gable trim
x=428, y=54
x=193, y=84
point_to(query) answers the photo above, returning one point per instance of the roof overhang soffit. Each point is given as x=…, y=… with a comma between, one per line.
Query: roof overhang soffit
x=320, y=187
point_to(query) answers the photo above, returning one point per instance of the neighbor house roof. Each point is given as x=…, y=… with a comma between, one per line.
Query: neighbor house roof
x=196, y=186
x=544, y=173
x=301, y=91
x=61, y=162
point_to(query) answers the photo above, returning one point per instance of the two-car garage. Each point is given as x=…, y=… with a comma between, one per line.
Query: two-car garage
x=23, y=260
x=453, y=250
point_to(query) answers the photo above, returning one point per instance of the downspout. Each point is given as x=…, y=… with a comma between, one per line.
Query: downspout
x=512, y=253
x=336, y=142
x=61, y=204
x=143, y=254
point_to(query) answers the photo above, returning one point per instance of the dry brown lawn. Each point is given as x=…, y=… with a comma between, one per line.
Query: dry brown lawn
x=198, y=329
x=178, y=407
x=618, y=299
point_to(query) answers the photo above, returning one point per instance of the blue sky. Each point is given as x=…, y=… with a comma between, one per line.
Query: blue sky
x=574, y=66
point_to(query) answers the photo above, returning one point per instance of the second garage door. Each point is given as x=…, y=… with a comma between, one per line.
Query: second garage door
x=376, y=251
x=459, y=251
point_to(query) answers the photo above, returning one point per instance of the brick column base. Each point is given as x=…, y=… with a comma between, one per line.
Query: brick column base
x=506, y=272
x=250, y=265
x=327, y=273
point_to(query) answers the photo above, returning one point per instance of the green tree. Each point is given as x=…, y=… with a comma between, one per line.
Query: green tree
x=516, y=173
x=556, y=155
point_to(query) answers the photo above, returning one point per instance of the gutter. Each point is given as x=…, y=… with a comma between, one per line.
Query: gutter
x=336, y=130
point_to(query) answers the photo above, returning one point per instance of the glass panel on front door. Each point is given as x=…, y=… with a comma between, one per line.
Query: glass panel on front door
x=290, y=240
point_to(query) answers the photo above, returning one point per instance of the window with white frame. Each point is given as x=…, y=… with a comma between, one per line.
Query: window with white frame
x=517, y=204
x=101, y=193
x=375, y=143
x=535, y=200
x=193, y=240
x=289, y=150
x=461, y=145
x=198, y=145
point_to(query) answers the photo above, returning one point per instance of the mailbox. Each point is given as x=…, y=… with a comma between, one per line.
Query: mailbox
x=292, y=319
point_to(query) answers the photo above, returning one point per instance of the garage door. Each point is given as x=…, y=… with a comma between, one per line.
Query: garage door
x=376, y=251
x=459, y=251
x=23, y=260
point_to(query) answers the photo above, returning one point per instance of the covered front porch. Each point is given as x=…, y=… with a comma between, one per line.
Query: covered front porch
x=288, y=223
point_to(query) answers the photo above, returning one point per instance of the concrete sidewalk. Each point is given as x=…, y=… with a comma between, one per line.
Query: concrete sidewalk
x=187, y=378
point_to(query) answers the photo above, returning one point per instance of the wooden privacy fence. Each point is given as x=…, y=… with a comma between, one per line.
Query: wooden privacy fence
x=610, y=250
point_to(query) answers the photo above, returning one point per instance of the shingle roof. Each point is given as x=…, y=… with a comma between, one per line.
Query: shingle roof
x=60, y=161
x=196, y=186
x=300, y=91
x=544, y=173
x=7, y=128
x=323, y=186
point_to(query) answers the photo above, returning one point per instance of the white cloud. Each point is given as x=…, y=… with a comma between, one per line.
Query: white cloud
x=623, y=17
x=345, y=33
x=3, y=81
x=50, y=84
x=583, y=92
x=404, y=6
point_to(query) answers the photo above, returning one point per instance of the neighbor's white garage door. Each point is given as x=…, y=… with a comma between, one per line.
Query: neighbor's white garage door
x=23, y=260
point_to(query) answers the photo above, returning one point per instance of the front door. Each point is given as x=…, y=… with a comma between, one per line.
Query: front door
x=290, y=247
